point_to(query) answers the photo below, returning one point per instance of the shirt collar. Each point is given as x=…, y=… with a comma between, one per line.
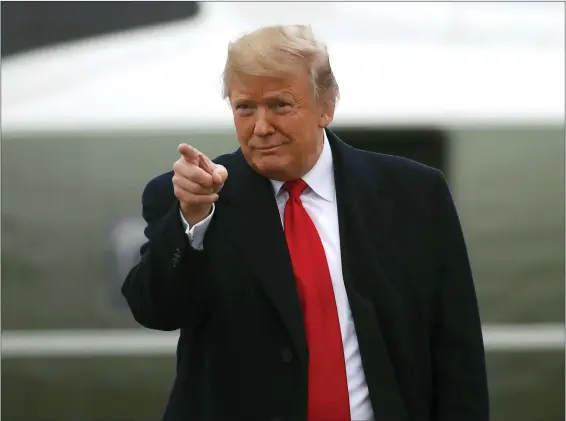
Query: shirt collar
x=321, y=177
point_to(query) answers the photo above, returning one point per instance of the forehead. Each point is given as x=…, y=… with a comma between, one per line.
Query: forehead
x=257, y=87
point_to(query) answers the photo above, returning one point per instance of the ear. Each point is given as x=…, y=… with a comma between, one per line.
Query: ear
x=326, y=114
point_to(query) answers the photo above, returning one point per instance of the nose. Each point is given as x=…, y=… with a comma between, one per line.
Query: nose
x=262, y=125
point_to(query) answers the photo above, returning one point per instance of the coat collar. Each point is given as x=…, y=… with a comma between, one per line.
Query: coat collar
x=320, y=178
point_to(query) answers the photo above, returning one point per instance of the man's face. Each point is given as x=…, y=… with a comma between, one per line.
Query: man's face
x=279, y=124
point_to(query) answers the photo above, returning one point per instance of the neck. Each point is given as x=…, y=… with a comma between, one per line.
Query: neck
x=311, y=159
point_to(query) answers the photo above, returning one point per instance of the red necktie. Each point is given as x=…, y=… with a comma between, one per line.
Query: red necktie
x=328, y=398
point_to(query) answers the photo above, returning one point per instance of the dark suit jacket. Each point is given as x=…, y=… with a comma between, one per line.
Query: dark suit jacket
x=242, y=353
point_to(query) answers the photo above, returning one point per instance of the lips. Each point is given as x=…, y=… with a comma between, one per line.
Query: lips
x=270, y=148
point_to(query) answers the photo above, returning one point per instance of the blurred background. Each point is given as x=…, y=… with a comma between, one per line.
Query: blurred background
x=96, y=97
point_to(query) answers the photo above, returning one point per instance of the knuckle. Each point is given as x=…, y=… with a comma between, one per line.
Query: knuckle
x=192, y=187
x=183, y=195
x=205, y=180
x=178, y=193
x=179, y=181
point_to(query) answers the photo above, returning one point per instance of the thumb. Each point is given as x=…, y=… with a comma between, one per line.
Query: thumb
x=205, y=163
x=219, y=175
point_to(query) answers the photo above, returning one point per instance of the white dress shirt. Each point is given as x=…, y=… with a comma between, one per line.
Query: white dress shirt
x=319, y=200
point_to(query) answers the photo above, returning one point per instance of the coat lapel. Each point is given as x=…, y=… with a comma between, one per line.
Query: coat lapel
x=365, y=215
x=257, y=231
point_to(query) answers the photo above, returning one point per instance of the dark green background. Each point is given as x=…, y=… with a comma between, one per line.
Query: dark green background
x=61, y=193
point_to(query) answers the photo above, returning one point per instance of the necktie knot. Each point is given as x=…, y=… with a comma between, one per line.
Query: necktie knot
x=295, y=188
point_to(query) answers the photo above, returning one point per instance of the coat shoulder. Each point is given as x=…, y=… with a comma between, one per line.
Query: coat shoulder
x=401, y=174
x=399, y=166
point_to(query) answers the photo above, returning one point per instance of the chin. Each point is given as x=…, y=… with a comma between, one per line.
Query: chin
x=273, y=166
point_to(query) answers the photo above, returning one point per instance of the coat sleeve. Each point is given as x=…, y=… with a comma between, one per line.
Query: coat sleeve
x=460, y=390
x=166, y=290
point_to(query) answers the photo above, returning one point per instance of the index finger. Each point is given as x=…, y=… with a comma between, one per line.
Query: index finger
x=188, y=152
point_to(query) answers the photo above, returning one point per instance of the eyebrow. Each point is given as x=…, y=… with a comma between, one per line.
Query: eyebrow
x=272, y=97
x=278, y=97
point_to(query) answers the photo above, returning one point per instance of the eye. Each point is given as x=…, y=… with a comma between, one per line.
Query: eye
x=280, y=105
x=244, y=109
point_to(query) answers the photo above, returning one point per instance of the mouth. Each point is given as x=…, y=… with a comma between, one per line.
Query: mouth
x=268, y=149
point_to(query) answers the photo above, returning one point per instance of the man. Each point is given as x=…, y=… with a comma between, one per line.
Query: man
x=310, y=280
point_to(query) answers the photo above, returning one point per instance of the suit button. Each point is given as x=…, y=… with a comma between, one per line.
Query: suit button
x=286, y=355
x=176, y=257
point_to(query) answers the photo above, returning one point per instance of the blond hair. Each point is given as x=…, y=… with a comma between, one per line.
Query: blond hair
x=278, y=51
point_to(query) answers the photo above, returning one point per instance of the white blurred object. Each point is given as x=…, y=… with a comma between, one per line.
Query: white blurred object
x=128, y=342
x=255, y=14
x=516, y=24
x=395, y=63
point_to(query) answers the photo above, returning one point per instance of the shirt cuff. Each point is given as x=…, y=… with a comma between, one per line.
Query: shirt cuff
x=195, y=234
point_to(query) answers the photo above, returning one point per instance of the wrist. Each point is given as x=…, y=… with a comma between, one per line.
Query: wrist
x=195, y=214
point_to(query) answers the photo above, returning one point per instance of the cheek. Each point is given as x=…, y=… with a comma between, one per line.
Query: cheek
x=244, y=131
